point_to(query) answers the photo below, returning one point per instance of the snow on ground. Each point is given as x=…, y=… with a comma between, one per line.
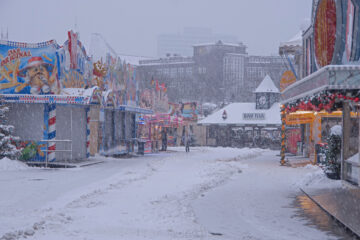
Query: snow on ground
x=7, y=164
x=209, y=193
x=317, y=179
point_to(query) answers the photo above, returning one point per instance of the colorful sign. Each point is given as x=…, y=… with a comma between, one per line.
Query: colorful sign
x=287, y=79
x=175, y=109
x=146, y=100
x=76, y=68
x=325, y=32
x=299, y=118
x=189, y=111
x=119, y=78
x=72, y=48
x=29, y=68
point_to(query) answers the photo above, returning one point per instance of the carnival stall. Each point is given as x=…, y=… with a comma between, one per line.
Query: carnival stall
x=120, y=106
x=331, y=84
x=36, y=84
x=163, y=125
x=156, y=124
x=53, y=91
x=190, y=113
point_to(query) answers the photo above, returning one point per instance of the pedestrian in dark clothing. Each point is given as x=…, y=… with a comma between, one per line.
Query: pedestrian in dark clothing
x=164, y=140
x=186, y=141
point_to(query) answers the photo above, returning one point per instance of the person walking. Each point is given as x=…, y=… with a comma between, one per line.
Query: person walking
x=187, y=142
x=164, y=139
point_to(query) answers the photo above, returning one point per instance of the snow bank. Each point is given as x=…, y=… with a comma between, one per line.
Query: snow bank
x=7, y=164
x=317, y=179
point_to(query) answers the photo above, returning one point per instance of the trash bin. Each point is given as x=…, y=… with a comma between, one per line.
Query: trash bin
x=299, y=148
x=141, y=147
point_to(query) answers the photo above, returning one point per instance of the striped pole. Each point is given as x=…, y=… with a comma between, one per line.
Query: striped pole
x=283, y=123
x=87, y=111
x=52, y=131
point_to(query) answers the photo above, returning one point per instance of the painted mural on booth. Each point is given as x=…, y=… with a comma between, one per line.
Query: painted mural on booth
x=118, y=77
x=76, y=67
x=188, y=111
x=29, y=68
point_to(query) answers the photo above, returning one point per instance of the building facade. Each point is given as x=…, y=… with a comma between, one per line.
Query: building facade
x=175, y=72
x=218, y=72
x=242, y=73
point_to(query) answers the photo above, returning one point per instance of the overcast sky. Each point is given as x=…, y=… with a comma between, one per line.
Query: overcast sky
x=132, y=26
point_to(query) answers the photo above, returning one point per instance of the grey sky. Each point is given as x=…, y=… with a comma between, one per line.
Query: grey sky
x=132, y=26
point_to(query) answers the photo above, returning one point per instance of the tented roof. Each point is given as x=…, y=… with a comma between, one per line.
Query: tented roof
x=267, y=85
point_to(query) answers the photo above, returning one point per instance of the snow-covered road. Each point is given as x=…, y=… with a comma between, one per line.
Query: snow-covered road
x=209, y=193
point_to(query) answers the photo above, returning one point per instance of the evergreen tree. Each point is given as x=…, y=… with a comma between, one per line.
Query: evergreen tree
x=7, y=148
x=332, y=160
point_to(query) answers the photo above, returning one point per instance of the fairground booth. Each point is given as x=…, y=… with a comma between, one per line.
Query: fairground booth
x=255, y=124
x=49, y=116
x=119, y=110
x=161, y=122
x=52, y=92
x=329, y=94
x=190, y=114
x=158, y=123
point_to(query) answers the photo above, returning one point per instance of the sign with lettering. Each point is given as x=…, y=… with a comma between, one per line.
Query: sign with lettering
x=254, y=116
x=287, y=79
x=29, y=68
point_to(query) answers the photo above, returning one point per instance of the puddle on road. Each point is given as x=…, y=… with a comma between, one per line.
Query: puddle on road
x=316, y=217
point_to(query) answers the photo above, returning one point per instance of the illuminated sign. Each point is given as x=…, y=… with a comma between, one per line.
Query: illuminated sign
x=287, y=79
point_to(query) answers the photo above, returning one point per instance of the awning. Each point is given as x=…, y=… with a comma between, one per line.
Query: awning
x=58, y=99
x=331, y=77
x=134, y=109
x=164, y=119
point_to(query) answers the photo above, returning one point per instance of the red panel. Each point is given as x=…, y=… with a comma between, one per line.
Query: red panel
x=293, y=136
x=325, y=32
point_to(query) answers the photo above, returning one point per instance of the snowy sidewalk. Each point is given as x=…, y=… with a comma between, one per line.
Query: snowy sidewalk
x=342, y=203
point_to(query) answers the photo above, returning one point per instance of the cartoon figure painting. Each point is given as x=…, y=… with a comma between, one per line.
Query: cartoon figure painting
x=29, y=68
x=37, y=76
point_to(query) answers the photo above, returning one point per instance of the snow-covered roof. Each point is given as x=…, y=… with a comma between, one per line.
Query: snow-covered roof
x=267, y=85
x=133, y=60
x=79, y=91
x=294, y=41
x=245, y=114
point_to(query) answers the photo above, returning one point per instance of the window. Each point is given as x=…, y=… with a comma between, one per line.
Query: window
x=202, y=70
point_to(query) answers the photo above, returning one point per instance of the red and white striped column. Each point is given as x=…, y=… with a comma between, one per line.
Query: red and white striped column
x=51, y=131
